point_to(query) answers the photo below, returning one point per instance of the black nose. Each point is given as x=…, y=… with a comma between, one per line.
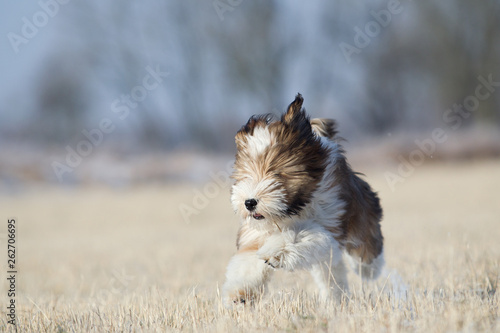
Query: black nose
x=250, y=204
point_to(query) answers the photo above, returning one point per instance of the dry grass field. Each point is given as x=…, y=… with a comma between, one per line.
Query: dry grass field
x=103, y=260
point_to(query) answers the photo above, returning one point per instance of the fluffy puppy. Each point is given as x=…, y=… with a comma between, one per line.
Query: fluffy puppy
x=301, y=207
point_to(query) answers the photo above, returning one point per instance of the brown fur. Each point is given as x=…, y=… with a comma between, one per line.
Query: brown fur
x=360, y=228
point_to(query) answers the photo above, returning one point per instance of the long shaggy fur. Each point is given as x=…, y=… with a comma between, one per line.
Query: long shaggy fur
x=301, y=207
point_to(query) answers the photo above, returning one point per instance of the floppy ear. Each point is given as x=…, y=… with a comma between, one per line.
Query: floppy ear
x=294, y=109
x=249, y=127
x=324, y=127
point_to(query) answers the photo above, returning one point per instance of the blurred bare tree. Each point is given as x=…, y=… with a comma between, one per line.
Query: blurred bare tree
x=255, y=60
x=437, y=59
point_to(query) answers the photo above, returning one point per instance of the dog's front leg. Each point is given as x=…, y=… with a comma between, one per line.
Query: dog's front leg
x=300, y=247
x=246, y=278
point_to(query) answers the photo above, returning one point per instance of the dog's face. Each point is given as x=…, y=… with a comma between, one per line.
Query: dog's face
x=278, y=165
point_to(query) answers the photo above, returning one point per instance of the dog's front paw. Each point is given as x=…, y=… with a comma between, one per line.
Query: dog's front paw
x=273, y=252
x=276, y=261
x=278, y=251
x=238, y=298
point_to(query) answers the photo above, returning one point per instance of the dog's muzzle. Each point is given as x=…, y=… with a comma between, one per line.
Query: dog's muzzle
x=251, y=204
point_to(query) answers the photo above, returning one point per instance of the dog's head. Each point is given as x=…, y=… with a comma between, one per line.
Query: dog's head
x=278, y=165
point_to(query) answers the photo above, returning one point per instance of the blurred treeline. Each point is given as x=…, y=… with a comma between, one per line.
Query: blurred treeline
x=230, y=59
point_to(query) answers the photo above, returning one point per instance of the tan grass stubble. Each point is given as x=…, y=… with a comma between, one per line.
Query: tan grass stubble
x=95, y=259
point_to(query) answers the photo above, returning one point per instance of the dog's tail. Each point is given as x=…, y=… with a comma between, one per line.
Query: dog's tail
x=364, y=242
x=324, y=127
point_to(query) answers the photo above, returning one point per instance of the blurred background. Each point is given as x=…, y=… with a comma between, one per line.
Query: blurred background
x=117, y=124
x=122, y=92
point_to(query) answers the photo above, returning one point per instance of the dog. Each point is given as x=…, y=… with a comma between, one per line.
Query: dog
x=301, y=207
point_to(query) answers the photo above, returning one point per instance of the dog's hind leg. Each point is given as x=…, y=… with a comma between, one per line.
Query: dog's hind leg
x=367, y=270
x=246, y=278
x=331, y=278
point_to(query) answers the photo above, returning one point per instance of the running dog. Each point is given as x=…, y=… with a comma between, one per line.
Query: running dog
x=301, y=207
